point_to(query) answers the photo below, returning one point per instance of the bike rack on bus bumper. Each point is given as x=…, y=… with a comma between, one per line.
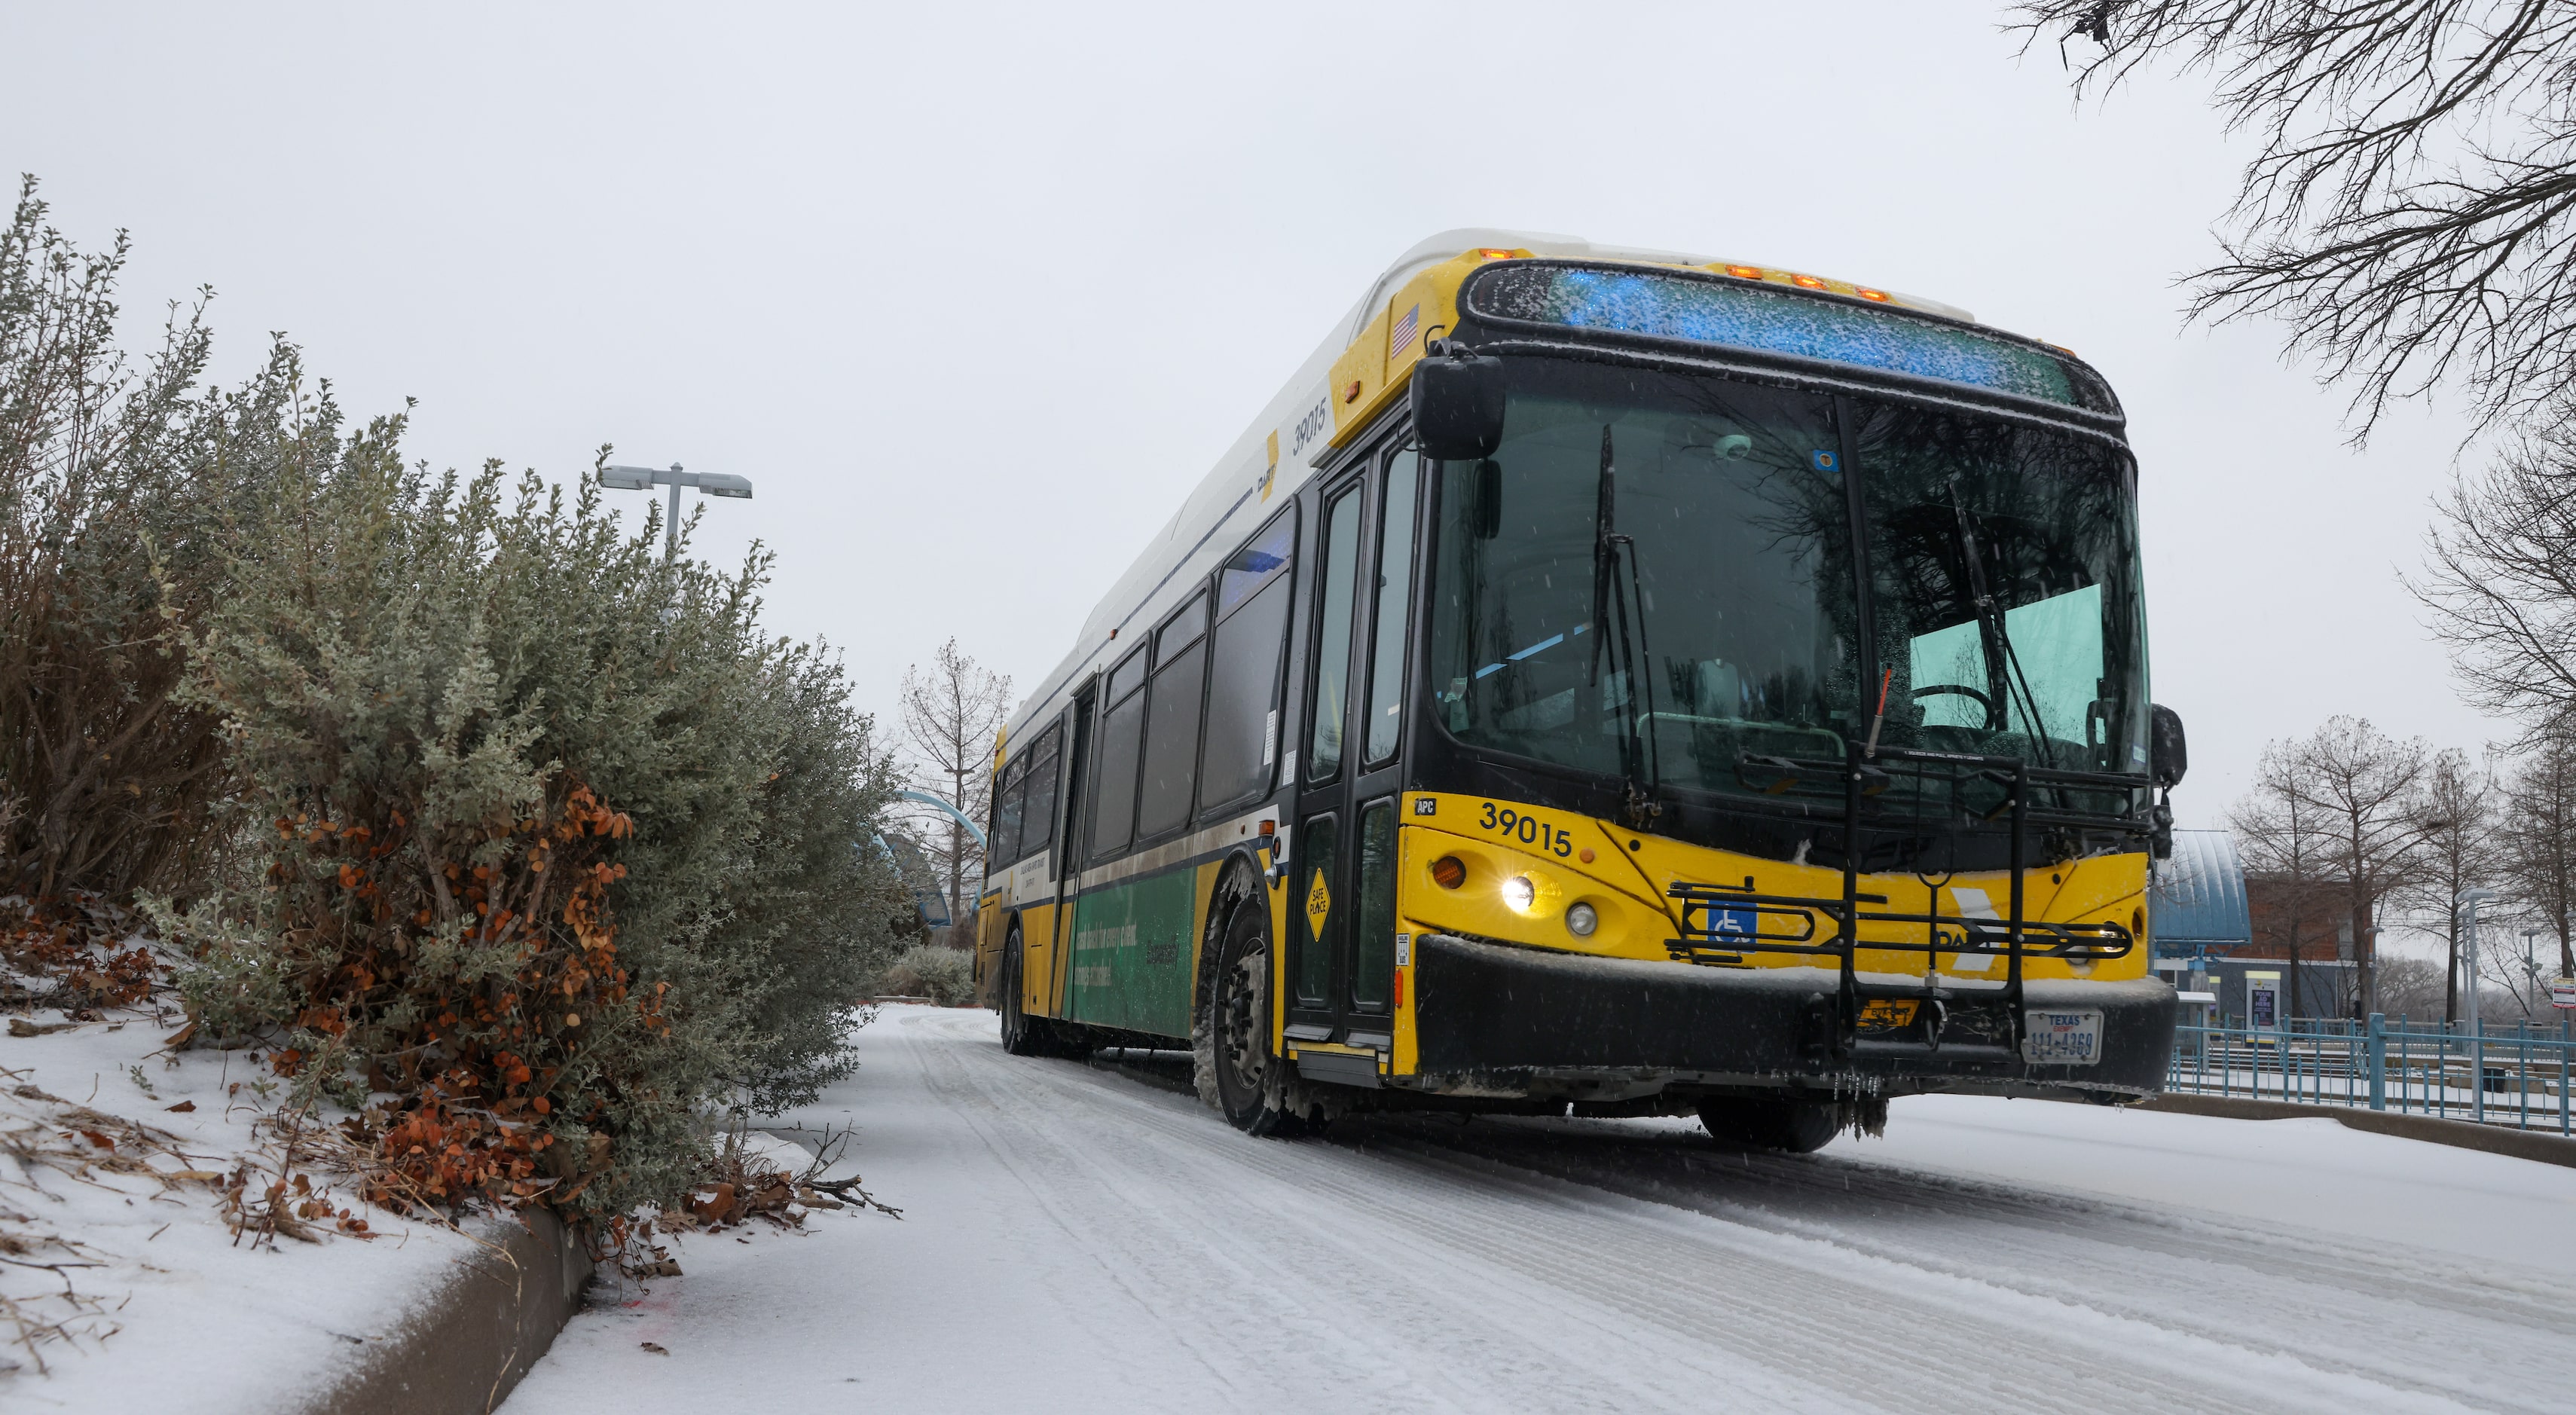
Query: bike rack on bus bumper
x=1864, y=777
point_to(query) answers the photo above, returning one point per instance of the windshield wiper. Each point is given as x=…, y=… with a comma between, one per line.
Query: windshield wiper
x=1638, y=754
x=1990, y=624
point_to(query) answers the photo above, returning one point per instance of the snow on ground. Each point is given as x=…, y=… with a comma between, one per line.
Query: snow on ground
x=176, y=1316
x=2308, y=1173
x=1078, y=1240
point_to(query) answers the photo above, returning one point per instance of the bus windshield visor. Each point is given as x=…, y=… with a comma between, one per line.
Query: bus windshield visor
x=1653, y=578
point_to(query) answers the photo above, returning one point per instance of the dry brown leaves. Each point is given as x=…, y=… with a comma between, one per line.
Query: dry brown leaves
x=64, y=953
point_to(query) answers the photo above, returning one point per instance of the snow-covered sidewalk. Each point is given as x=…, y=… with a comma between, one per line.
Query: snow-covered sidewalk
x=1076, y=1240
x=168, y=1313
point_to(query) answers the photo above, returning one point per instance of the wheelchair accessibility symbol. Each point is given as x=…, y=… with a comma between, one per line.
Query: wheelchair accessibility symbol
x=1730, y=923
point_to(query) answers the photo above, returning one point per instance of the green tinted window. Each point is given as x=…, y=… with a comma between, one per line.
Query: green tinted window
x=1330, y=703
x=1373, y=948
x=1394, y=593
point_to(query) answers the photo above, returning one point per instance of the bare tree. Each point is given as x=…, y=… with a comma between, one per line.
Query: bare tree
x=2369, y=788
x=2410, y=987
x=2538, y=834
x=2334, y=826
x=2410, y=212
x=2455, y=815
x=2501, y=579
x=2278, y=833
x=2509, y=975
x=953, y=715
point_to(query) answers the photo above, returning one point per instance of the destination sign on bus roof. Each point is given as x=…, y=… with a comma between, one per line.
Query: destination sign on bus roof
x=1745, y=315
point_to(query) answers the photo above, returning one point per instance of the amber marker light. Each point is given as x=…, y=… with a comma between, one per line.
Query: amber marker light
x=1352, y=393
x=1867, y=293
x=1448, y=872
x=1806, y=282
x=1491, y=254
x=1745, y=272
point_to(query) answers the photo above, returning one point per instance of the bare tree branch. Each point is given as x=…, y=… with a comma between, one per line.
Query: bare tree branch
x=2408, y=210
x=2500, y=582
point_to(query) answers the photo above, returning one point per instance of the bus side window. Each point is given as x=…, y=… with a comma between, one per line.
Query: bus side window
x=1122, y=731
x=1394, y=593
x=1001, y=845
x=1341, y=555
x=1037, y=820
x=1373, y=949
x=1243, y=686
x=1172, y=720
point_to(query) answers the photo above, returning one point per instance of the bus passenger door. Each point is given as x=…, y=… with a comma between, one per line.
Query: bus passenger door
x=1046, y=985
x=1341, y=961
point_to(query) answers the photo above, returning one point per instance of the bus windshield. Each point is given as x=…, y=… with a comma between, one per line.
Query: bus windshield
x=1653, y=577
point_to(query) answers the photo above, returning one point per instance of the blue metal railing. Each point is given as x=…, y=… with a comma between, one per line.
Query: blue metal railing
x=2515, y=1076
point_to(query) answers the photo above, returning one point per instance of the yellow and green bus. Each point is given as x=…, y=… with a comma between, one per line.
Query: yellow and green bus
x=1613, y=682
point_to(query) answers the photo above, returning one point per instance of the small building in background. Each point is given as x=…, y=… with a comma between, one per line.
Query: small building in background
x=2315, y=919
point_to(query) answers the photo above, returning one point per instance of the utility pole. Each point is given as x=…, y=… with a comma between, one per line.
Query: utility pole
x=646, y=478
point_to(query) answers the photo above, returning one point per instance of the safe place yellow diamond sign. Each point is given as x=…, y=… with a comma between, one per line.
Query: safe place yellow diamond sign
x=1319, y=902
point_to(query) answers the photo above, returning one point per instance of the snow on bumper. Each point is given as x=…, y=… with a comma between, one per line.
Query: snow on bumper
x=1493, y=1019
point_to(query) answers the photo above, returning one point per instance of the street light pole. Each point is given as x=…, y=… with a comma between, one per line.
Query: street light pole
x=646, y=478
x=2469, y=900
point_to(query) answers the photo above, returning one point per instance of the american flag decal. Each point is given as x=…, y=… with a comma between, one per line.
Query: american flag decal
x=1400, y=338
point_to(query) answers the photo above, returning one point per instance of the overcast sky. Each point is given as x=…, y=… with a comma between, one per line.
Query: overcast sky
x=974, y=293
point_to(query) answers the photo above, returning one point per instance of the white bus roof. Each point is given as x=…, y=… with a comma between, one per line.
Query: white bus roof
x=1246, y=487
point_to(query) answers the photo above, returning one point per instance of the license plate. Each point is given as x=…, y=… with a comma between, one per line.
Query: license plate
x=2062, y=1038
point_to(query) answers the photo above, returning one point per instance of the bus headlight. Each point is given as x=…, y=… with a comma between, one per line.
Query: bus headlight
x=1581, y=920
x=1519, y=893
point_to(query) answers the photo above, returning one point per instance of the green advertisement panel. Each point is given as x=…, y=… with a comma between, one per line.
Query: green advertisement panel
x=1131, y=954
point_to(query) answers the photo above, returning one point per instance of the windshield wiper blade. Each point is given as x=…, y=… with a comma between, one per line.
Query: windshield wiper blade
x=1638, y=754
x=1990, y=623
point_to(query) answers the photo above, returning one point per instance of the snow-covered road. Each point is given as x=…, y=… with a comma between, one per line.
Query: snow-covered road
x=1075, y=1239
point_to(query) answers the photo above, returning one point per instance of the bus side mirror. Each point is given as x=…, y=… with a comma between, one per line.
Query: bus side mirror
x=1458, y=405
x=2168, y=757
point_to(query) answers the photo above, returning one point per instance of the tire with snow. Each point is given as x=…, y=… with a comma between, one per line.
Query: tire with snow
x=1021, y=1034
x=1024, y=1035
x=1761, y=1123
x=1233, y=1036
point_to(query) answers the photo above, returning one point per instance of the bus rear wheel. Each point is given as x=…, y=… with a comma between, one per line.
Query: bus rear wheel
x=1234, y=1036
x=1025, y=1035
x=1022, y=1035
x=1760, y=1123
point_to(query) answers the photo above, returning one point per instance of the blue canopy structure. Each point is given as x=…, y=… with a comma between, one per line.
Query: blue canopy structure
x=2196, y=903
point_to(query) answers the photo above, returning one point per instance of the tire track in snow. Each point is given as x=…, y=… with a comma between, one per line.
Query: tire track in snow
x=2334, y=1304
x=1497, y=1253
x=1299, y=1295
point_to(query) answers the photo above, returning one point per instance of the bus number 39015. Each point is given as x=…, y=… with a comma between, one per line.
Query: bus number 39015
x=1528, y=830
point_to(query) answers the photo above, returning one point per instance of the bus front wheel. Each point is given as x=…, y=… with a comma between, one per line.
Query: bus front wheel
x=1796, y=1126
x=1234, y=1035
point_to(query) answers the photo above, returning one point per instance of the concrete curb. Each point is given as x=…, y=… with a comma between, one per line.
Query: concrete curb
x=463, y=1349
x=2465, y=1134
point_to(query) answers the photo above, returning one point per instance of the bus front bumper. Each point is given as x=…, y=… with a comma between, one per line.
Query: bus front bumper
x=1494, y=1020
